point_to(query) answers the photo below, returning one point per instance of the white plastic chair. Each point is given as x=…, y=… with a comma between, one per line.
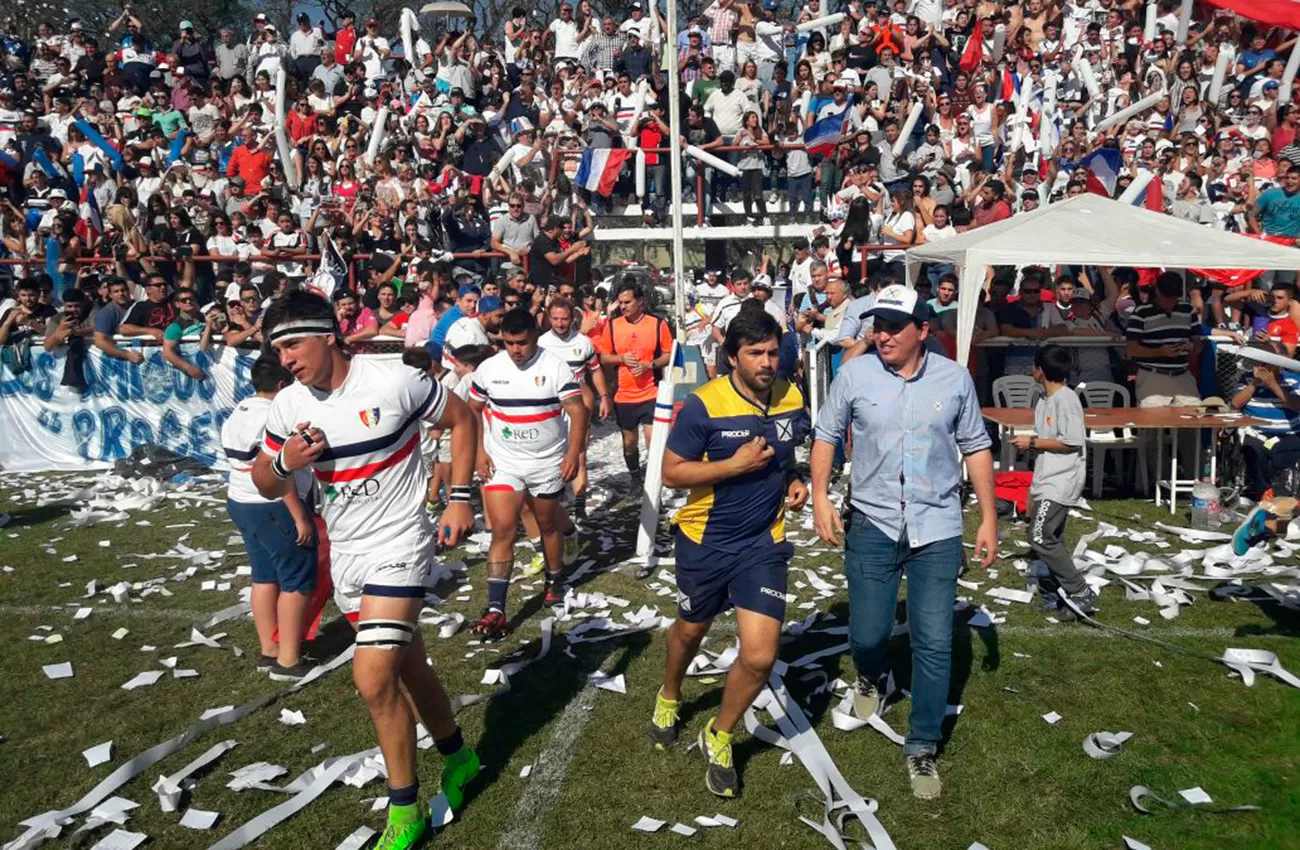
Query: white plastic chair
x=1101, y=440
x=1014, y=391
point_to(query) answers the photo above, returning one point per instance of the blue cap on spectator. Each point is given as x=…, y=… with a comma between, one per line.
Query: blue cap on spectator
x=769, y=4
x=489, y=303
x=468, y=289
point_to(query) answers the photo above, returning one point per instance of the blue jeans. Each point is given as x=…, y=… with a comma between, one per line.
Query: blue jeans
x=799, y=190
x=873, y=564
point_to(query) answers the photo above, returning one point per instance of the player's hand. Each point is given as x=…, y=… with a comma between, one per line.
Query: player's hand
x=303, y=447
x=1021, y=442
x=135, y=357
x=304, y=530
x=569, y=466
x=826, y=520
x=605, y=410
x=752, y=456
x=796, y=495
x=637, y=368
x=456, y=524
x=484, y=467
x=986, y=542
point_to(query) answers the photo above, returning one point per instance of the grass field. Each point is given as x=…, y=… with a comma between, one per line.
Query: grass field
x=1010, y=779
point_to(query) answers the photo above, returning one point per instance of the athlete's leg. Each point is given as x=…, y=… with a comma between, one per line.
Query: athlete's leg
x=631, y=455
x=551, y=519
x=265, y=596
x=760, y=641
x=424, y=690
x=502, y=504
x=645, y=430
x=684, y=639
x=376, y=666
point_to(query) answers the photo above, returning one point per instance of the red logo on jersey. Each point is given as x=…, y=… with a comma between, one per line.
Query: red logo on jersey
x=370, y=417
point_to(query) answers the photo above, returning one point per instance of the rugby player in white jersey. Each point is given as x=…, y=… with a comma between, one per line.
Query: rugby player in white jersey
x=527, y=453
x=355, y=424
x=707, y=297
x=575, y=348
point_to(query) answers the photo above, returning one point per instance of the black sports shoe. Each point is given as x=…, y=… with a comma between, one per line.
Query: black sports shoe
x=290, y=674
x=265, y=663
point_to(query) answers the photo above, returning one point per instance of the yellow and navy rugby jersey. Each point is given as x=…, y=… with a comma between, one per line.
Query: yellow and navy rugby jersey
x=748, y=510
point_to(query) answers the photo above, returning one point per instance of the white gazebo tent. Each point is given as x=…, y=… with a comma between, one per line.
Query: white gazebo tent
x=1090, y=230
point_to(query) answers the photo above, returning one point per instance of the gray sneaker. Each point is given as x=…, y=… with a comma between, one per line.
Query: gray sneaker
x=866, y=698
x=923, y=773
x=296, y=673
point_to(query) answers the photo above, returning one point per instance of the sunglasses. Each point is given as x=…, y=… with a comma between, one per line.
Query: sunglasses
x=515, y=206
x=890, y=326
x=251, y=299
x=184, y=300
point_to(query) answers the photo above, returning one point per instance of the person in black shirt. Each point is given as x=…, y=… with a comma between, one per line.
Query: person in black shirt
x=634, y=60
x=151, y=316
x=481, y=149
x=546, y=258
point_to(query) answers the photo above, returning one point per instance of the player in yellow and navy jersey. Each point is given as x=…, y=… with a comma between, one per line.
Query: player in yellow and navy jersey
x=733, y=447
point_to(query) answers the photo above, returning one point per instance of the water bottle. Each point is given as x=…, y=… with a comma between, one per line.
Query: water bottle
x=1205, y=505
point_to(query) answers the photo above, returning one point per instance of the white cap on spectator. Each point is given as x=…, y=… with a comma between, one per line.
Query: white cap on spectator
x=232, y=292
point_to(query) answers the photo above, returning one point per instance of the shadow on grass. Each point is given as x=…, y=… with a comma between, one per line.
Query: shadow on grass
x=1286, y=621
x=25, y=517
x=539, y=694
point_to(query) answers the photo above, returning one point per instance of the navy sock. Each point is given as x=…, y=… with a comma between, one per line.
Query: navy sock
x=451, y=744
x=633, y=461
x=406, y=796
x=497, y=590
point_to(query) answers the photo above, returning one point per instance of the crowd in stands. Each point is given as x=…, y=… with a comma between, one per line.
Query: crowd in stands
x=897, y=124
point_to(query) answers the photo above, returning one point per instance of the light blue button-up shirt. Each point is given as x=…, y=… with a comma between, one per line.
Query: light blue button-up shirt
x=909, y=436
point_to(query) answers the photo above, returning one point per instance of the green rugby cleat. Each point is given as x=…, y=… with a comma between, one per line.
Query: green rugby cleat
x=458, y=770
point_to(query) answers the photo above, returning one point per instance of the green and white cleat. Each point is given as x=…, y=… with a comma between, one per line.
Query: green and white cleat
x=458, y=770
x=407, y=828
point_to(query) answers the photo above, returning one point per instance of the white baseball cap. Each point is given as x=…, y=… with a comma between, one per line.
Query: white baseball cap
x=898, y=303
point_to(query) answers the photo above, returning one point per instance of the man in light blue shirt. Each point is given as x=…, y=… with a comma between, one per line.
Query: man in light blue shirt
x=914, y=416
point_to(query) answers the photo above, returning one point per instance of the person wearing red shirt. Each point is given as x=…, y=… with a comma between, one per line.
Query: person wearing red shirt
x=250, y=162
x=990, y=206
x=301, y=122
x=346, y=38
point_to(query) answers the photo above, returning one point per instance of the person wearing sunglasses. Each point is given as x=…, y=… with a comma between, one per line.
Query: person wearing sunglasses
x=189, y=324
x=914, y=416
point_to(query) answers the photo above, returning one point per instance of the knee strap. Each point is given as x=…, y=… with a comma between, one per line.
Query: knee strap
x=384, y=634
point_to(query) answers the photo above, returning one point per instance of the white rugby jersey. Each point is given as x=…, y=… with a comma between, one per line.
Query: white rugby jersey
x=467, y=330
x=707, y=297
x=524, y=406
x=372, y=484
x=241, y=436
x=577, y=350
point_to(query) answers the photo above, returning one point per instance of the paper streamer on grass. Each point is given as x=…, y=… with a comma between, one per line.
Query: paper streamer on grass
x=254, y=829
x=797, y=736
x=47, y=825
x=1138, y=795
x=168, y=788
x=1129, y=111
x=820, y=23
x=1103, y=745
x=713, y=161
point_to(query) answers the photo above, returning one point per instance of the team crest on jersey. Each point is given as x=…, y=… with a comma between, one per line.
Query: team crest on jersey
x=539, y=380
x=369, y=416
x=784, y=430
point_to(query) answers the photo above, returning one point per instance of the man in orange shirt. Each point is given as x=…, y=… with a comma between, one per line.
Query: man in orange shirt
x=638, y=343
x=251, y=162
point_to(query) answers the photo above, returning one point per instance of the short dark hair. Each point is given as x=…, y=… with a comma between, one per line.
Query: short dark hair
x=297, y=305
x=472, y=355
x=27, y=284
x=1055, y=362
x=418, y=358
x=268, y=375
x=749, y=327
x=1283, y=285
x=1170, y=285
x=630, y=284
x=517, y=321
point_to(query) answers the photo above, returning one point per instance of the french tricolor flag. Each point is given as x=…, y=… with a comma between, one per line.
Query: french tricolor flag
x=823, y=136
x=599, y=169
x=1103, y=171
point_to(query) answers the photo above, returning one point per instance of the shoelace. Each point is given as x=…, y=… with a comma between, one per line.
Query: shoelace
x=665, y=716
x=924, y=766
x=719, y=754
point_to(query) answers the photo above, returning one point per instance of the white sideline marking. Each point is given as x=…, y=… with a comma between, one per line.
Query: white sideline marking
x=550, y=770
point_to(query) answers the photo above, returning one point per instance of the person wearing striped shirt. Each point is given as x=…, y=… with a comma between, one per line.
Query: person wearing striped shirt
x=355, y=424
x=1160, y=338
x=534, y=433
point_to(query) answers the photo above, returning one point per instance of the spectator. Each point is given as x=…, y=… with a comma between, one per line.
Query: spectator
x=513, y=233
x=187, y=325
x=153, y=315
x=108, y=321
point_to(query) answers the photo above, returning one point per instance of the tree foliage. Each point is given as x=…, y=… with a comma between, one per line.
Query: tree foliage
x=159, y=19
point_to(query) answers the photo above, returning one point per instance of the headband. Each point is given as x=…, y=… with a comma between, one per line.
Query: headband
x=301, y=328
